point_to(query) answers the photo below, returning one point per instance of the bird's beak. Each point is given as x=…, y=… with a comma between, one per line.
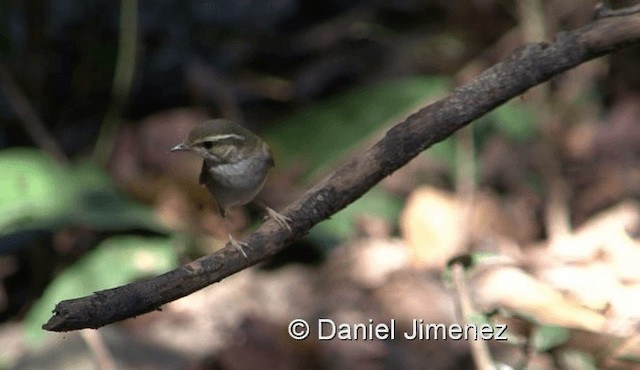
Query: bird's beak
x=180, y=147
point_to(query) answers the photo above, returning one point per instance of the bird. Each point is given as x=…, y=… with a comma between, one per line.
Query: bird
x=234, y=168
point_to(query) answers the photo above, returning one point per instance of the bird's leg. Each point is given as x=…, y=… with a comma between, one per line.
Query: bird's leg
x=238, y=245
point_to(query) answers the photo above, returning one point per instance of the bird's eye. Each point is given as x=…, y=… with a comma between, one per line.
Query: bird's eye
x=207, y=144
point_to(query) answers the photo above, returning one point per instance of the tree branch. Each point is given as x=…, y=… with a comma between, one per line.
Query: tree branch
x=525, y=68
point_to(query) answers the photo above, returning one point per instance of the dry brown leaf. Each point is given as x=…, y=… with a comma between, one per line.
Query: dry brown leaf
x=368, y=263
x=593, y=284
x=431, y=225
x=598, y=235
x=435, y=228
x=507, y=286
x=596, y=266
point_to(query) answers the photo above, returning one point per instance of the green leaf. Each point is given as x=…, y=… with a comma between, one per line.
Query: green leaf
x=547, y=337
x=34, y=191
x=515, y=120
x=469, y=261
x=478, y=318
x=340, y=226
x=99, y=204
x=335, y=126
x=629, y=358
x=116, y=261
x=572, y=359
x=37, y=193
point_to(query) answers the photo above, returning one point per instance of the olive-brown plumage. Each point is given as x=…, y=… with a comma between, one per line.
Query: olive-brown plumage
x=235, y=165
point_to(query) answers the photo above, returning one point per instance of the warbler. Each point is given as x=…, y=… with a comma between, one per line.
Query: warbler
x=234, y=167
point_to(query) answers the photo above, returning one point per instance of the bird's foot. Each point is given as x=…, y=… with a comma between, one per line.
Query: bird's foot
x=280, y=219
x=239, y=246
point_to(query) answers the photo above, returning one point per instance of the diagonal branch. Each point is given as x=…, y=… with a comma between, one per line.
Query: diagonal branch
x=525, y=68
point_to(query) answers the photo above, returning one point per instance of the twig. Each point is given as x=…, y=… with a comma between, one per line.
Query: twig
x=122, y=79
x=525, y=68
x=465, y=184
x=103, y=358
x=479, y=348
x=30, y=119
x=556, y=214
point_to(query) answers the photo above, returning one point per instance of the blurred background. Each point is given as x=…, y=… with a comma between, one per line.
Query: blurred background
x=529, y=217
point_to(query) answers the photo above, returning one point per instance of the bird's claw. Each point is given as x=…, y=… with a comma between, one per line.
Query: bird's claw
x=280, y=219
x=239, y=246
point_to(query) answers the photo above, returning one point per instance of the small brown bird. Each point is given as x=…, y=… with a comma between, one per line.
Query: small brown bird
x=235, y=166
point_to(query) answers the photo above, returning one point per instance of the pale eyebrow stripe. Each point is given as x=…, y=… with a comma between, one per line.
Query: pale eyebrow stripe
x=222, y=137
